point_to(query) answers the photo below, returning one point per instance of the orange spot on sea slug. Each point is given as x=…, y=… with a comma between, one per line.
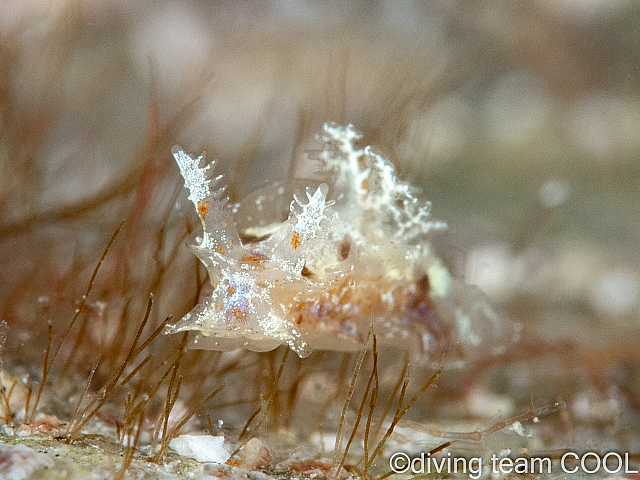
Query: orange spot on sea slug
x=253, y=258
x=295, y=240
x=203, y=207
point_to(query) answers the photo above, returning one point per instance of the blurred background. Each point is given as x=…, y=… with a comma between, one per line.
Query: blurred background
x=520, y=121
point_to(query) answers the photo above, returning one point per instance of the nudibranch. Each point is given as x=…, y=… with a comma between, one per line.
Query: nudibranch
x=346, y=256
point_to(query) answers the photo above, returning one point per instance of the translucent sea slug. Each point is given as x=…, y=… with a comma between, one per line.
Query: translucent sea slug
x=350, y=255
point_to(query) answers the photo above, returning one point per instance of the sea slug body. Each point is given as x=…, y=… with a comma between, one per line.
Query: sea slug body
x=353, y=254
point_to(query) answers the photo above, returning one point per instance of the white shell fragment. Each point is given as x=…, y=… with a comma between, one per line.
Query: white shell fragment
x=18, y=462
x=350, y=254
x=202, y=448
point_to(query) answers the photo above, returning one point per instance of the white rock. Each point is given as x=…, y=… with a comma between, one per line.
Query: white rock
x=202, y=448
x=18, y=462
